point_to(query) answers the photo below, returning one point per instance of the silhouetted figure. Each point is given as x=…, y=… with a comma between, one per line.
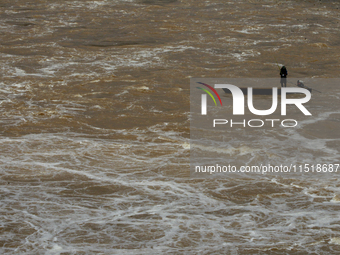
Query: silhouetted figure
x=283, y=74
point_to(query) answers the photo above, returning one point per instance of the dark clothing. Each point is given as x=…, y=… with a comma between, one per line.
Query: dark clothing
x=283, y=74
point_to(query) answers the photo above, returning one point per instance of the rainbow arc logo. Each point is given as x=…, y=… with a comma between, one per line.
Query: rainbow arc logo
x=204, y=97
x=208, y=92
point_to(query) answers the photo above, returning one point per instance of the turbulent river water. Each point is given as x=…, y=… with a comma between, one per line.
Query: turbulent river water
x=95, y=127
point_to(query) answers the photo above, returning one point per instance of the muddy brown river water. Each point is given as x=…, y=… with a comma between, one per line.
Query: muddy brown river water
x=95, y=127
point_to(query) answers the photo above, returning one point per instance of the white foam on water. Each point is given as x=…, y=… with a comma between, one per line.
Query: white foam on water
x=231, y=150
x=335, y=199
x=335, y=240
x=186, y=146
x=143, y=88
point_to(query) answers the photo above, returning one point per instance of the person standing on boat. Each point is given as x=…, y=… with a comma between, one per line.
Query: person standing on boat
x=283, y=74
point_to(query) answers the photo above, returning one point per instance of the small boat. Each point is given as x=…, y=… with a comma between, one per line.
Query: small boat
x=263, y=91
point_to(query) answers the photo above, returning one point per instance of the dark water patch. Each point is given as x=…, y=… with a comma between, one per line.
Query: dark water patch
x=18, y=52
x=26, y=9
x=20, y=24
x=69, y=29
x=100, y=95
x=156, y=2
x=109, y=189
x=97, y=37
x=105, y=44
